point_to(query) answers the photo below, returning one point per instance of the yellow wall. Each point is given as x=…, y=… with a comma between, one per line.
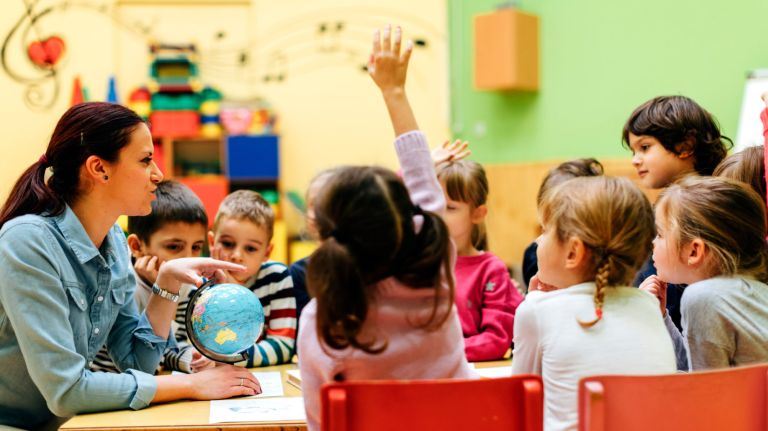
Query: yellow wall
x=330, y=113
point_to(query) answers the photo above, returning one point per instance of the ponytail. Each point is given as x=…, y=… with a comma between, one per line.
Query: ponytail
x=342, y=300
x=425, y=261
x=89, y=129
x=30, y=195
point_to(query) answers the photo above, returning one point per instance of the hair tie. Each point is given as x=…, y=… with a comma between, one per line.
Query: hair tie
x=43, y=160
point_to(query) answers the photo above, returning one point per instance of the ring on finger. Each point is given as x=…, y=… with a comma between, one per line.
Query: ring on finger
x=241, y=381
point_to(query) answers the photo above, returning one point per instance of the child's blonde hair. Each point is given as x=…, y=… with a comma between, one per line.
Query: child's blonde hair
x=727, y=215
x=465, y=181
x=246, y=205
x=614, y=220
x=747, y=166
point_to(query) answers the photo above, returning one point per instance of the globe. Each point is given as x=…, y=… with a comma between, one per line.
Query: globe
x=224, y=320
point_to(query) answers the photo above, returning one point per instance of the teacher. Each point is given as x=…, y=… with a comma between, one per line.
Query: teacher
x=66, y=281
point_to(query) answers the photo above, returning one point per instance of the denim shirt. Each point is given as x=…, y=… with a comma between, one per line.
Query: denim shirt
x=61, y=300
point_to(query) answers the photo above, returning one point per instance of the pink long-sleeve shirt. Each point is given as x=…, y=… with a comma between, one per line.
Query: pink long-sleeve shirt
x=412, y=352
x=486, y=299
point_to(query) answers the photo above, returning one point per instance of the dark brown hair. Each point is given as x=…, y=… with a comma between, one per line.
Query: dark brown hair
x=747, y=166
x=727, y=215
x=465, y=181
x=565, y=171
x=88, y=129
x=680, y=124
x=175, y=202
x=364, y=217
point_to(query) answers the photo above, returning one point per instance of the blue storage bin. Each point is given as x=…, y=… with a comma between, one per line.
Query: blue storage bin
x=252, y=157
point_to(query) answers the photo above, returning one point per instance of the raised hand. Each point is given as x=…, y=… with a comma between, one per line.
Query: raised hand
x=387, y=66
x=450, y=152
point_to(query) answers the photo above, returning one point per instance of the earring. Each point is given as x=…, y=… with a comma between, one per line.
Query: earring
x=106, y=177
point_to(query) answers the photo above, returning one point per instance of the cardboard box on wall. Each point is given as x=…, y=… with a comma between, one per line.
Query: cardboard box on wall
x=507, y=51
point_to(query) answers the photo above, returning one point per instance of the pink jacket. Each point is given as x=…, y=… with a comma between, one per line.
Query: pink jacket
x=411, y=353
x=486, y=299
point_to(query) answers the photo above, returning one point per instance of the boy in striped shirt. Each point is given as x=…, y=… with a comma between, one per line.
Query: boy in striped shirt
x=242, y=234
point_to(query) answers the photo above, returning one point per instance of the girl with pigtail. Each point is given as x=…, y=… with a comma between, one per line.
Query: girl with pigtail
x=381, y=280
x=595, y=234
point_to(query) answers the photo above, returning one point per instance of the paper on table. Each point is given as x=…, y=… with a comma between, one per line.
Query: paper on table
x=271, y=383
x=494, y=372
x=258, y=410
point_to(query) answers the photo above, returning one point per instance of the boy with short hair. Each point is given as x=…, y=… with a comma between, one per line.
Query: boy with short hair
x=242, y=233
x=175, y=229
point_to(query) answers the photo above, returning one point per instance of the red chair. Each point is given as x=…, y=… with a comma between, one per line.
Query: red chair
x=509, y=404
x=735, y=399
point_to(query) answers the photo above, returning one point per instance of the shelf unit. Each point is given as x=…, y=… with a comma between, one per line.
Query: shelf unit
x=214, y=167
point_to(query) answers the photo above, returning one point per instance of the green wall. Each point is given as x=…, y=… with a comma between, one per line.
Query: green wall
x=599, y=60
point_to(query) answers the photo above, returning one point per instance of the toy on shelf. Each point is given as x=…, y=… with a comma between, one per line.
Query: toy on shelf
x=248, y=118
x=179, y=106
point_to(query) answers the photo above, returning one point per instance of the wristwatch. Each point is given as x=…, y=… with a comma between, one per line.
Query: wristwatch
x=157, y=290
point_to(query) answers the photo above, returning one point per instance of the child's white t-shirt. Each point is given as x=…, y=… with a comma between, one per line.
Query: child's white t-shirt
x=630, y=339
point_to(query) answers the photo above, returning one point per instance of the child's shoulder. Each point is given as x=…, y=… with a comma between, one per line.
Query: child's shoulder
x=271, y=272
x=706, y=293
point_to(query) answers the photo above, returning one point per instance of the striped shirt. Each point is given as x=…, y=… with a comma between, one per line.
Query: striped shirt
x=273, y=286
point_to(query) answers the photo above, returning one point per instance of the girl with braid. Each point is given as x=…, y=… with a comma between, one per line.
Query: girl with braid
x=596, y=233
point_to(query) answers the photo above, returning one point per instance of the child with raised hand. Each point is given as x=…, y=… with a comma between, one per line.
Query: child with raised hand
x=596, y=232
x=563, y=172
x=486, y=298
x=671, y=137
x=174, y=229
x=381, y=280
x=242, y=234
x=711, y=236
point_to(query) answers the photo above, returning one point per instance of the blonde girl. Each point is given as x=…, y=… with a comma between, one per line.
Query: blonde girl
x=711, y=236
x=596, y=232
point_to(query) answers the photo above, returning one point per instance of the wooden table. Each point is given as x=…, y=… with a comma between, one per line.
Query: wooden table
x=194, y=415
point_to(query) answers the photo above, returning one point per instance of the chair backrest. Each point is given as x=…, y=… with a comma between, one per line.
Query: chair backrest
x=734, y=399
x=509, y=404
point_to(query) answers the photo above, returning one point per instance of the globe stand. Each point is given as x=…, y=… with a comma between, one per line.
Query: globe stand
x=229, y=359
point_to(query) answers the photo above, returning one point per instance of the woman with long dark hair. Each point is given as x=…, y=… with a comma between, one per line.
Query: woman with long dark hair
x=66, y=282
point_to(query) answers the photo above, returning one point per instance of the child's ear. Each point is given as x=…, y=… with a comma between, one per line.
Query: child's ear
x=479, y=213
x=685, y=148
x=694, y=254
x=270, y=247
x=211, y=239
x=577, y=253
x=135, y=245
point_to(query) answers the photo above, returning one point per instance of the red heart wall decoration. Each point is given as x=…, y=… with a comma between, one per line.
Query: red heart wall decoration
x=46, y=53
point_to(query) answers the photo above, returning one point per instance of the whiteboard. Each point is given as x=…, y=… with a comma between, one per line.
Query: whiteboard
x=750, y=130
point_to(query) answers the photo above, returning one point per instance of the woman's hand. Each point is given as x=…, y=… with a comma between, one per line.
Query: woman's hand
x=191, y=270
x=387, y=66
x=224, y=381
x=658, y=288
